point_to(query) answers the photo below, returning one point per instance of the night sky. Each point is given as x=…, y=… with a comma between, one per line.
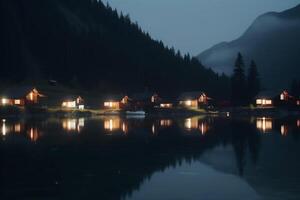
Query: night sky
x=195, y=25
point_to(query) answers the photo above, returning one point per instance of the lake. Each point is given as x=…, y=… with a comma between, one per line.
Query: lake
x=138, y=158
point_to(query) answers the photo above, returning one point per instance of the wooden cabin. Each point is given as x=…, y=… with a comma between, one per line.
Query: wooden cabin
x=265, y=99
x=193, y=99
x=73, y=102
x=116, y=102
x=21, y=96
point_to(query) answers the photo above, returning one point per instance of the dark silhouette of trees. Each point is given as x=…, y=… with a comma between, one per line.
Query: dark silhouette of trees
x=102, y=48
x=238, y=83
x=253, y=82
x=295, y=88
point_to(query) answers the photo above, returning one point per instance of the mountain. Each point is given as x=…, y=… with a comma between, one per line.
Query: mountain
x=273, y=41
x=87, y=44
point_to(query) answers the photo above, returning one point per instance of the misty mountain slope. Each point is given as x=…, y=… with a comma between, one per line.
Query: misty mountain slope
x=273, y=41
x=87, y=44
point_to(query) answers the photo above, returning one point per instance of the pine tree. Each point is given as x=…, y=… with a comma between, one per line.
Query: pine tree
x=238, y=83
x=253, y=81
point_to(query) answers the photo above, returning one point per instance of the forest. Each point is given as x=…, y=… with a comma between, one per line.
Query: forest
x=87, y=45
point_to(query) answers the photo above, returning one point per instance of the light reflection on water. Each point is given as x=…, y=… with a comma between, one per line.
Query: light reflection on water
x=114, y=125
x=156, y=161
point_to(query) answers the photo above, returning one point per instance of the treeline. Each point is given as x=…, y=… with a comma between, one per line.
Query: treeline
x=244, y=86
x=295, y=88
x=89, y=45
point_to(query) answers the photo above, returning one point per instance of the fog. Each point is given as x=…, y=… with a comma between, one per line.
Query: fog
x=195, y=25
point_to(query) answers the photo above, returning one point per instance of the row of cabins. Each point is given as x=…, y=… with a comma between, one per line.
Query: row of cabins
x=30, y=96
x=275, y=99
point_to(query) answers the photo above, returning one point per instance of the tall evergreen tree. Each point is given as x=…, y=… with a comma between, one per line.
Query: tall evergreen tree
x=238, y=83
x=253, y=82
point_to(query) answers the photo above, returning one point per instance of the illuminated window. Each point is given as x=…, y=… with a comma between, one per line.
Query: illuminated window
x=69, y=104
x=17, y=101
x=282, y=97
x=258, y=101
x=268, y=102
x=81, y=107
x=166, y=105
x=4, y=101
x=31, y=96
x=188, y=103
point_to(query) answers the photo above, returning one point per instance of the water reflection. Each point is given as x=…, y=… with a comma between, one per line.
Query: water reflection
x=100, y=160
x=196, y=124
x=115, y=124
x=73, y=125
x=264, y=124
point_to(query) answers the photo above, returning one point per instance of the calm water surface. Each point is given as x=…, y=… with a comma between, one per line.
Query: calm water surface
x=138, y=158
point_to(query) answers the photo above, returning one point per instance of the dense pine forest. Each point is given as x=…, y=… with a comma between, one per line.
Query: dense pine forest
x=88, y=45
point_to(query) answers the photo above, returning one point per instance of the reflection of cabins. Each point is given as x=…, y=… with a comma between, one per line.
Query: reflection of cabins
x=193, y=99
x=284, y=130
x=115, y=124
x=265, y=99
x=73, y=102
x=166, y=122
x=264, y=124
x=195, y=123
x=116, y=102
x=73, y=124
x=166, y=103
x=21, y=96
x=145, y=100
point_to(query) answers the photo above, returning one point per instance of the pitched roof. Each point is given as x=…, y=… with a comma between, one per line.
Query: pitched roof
x=18, y=92
x=190, y=95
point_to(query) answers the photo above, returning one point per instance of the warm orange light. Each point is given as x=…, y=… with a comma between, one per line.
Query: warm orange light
x=191, y=123
x=69, y=124
x=4, y=130
x=31, y=96
x=69, y=104
x=165, y=122
x=112, y=124
x=17, y=128
x=298, y=122
x=283, y=130
x=4, y=101
x=188, y=102
x=17, y=102
x=264, y=124
x=166, y=105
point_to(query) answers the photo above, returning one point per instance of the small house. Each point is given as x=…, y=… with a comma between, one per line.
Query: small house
x=21, y=96
x=116, y=102
x=193, y=99
x=73, y=102
x=265, y=99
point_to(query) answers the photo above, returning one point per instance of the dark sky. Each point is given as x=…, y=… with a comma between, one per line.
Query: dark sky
x=195, y=25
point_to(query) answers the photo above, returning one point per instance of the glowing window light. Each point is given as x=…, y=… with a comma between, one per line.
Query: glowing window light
x=17, y=102
x=112, y=124
x=153, y=129
x=165, y=122
x=283, y=130
x=258, y=101
x=17, y=128
x=31, y=96
x=298, y=122
x=188, y=102
x=69, y=104
x=4, y=130
x=165, y=105
x=282, y=97
x=268, y=102
x=81, y=107
x=69, y=124
x=264, y=124
x=4, y=101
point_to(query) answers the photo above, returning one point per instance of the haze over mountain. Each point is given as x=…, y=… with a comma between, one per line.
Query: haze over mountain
x=273, y=41
x=86, y=44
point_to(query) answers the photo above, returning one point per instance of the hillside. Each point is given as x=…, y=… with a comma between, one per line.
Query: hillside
x=273, y=41
x=86, y=44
